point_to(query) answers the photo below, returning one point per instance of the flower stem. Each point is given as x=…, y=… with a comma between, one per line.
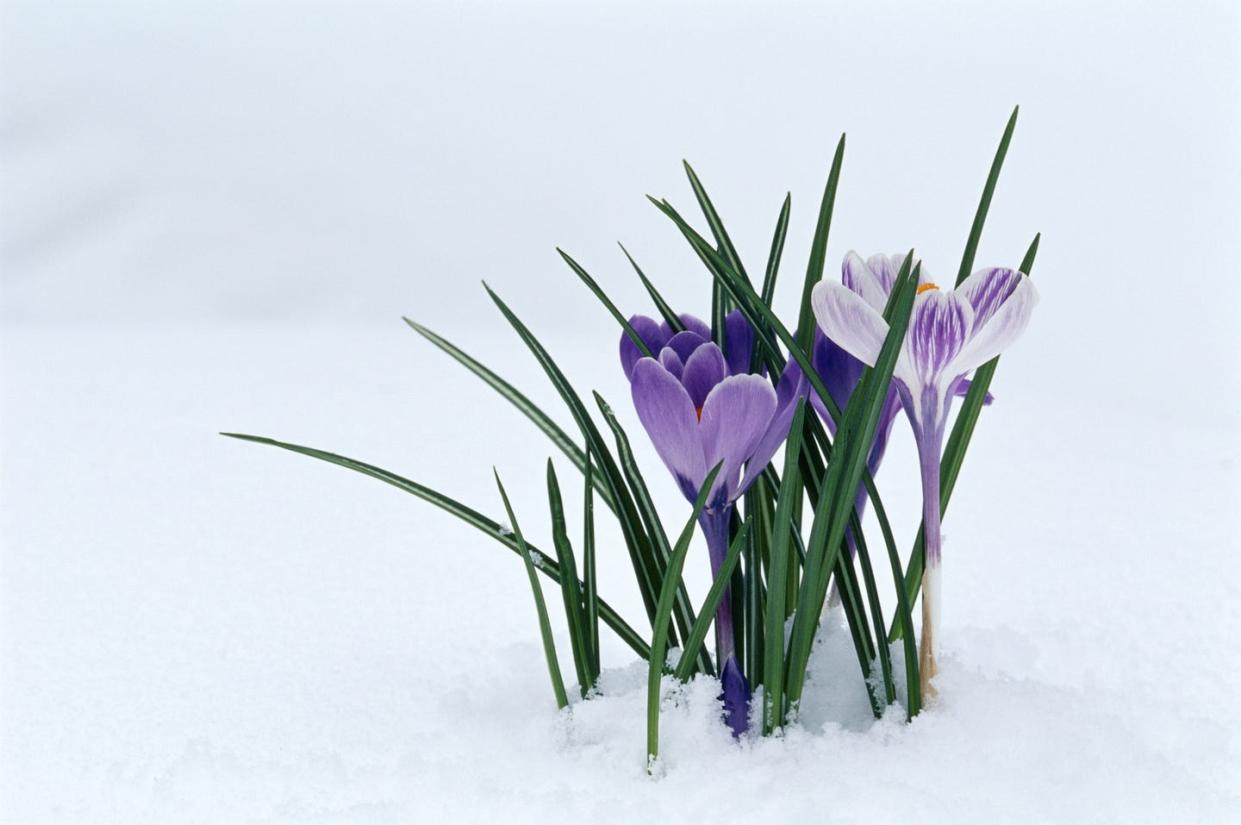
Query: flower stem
x=929, y=441
x=714, y=525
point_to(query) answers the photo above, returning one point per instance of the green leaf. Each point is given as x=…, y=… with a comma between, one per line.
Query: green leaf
x=545, y=627
x=683, y=613
x=666, y=312
x=590, y=570
x=716, y=225
x=818, y=249
x=706, y=615
x=472, y=517
x=954, y=452
x=773, y=270
x=663, y=616
x=840, y=484
x=570, y=590
x=777, y=576
x=645, y=565
x=594, y=287
x=984, y=204
x=518, y=400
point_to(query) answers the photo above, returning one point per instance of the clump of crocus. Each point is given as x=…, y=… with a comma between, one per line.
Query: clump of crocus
x=701, y=406
x=950, y=334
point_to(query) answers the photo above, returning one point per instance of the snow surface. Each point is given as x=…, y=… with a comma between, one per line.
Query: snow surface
x=199, y=630
x=214, y=214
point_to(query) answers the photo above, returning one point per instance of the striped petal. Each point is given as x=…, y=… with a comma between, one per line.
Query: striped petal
x=1000, y=330
x=846, y=318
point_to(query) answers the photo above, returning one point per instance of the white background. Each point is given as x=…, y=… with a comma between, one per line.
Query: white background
x=213, y=216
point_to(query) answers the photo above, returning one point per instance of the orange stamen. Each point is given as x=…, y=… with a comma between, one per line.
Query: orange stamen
x=924, y=287
x=699, y=411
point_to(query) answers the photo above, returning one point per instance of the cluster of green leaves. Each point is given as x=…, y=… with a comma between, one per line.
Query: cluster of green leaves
x=778, y=574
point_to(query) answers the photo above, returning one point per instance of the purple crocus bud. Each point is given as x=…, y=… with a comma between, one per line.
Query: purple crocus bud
x=950, y=333
x=701, y=406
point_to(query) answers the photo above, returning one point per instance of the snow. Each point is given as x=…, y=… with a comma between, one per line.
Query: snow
x=214, y=216
x=200, y=630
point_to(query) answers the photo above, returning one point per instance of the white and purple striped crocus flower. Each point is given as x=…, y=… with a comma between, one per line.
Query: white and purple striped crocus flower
x=701, y=406
x=950, y=333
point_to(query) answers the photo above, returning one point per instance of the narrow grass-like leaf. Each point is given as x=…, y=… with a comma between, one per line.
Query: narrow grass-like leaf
x=772, y=272
x=755, y=599
x=598, y=292
x=570, y=589
x=590, y=570
x=663, y=616
x=714, y=222
x=470, y=516
x=518, y=400
x=545, y=627
x=777, y=250
x=984, y=203
x=954, y=451
x=646, y=566
x=706, y=615
x=818, y=249
x=777, y=575
x=665, y=310
x=840, y=484
x=683, y=613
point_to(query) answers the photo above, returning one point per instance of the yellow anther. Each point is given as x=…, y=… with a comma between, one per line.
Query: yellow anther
x=924, y=287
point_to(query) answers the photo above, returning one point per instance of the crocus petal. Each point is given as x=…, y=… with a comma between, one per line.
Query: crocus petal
x=885, y=268
x=793, y=386
x=1003, y=327
x=684, y=343
x=938, y=330
x=846, y=318
x=735, y=415
x=858, y=277
x=651, y=334
x=704, y=369
x=738, y=342
x=693, y=324
x=987, y=290
x=671, y=361
x=669, y=418
x=840, y=372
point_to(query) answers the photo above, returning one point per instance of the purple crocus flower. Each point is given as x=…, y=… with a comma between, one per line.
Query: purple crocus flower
x=950, y=333
x=701, y=406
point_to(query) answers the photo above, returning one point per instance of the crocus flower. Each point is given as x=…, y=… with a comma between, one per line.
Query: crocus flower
x=841, y=372
x=950, y=333
x=700, y=406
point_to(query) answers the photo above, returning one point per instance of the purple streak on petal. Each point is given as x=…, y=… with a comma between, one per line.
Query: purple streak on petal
x=929, y=437
x=671, y=361
x=846, y=318
x=651, y=334
x=938, y=330
x=987, y=290
x=961, y=387
x=999, y=332
x=885, y=269
x=738, y=342
x=704, y=369
x=735, y=416
x=668, y=416
x=684, y=343
x=856, y=274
